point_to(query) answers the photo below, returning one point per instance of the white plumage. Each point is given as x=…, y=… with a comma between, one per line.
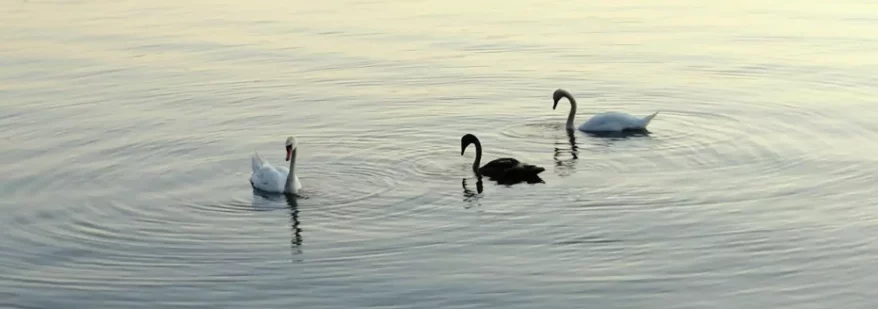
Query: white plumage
x=269, y=178
x=603, y=122
x=615, y=121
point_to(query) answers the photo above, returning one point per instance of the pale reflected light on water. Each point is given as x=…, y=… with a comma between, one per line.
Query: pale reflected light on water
x=127, y=129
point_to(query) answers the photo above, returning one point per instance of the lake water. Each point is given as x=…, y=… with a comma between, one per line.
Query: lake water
x=127, y=129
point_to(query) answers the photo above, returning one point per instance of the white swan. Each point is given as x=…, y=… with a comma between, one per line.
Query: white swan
x=272, y=179
x=604, y=122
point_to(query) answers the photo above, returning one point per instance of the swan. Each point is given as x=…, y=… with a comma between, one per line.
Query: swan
x=503, y=168
x=272, y=179
x=604, y=122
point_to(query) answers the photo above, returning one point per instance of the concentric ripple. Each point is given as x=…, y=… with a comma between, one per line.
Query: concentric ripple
x=127, y=136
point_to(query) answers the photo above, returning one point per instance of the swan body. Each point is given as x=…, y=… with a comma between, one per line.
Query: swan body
x=614, y=122
x=502, y=168
x=269, y=178
x=603, y=122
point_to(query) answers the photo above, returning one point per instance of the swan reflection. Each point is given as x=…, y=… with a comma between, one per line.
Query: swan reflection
x=510, y=181
x=472, y=197
x=620, y=135
x=296, y=239
x=565, y=167
x=467, y=193
x=267, y=201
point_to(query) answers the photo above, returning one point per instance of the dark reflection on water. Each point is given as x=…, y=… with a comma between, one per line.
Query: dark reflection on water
x=620, y=134
x=564, y=167
x=472, y=197
x=511, y=181
x=291, y=204
x=467, y=193
x=296, y=241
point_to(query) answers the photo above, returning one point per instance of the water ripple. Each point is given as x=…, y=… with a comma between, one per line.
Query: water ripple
x=127, y=156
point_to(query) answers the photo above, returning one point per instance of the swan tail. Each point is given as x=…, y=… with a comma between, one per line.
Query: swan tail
x=256, y=162
x=647, y=119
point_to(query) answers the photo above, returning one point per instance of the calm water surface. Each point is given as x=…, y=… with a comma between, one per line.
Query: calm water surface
x=127, y=128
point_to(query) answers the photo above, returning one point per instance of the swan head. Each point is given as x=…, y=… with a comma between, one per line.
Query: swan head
x=290, y=145
x=466, y=140
x=560, y=93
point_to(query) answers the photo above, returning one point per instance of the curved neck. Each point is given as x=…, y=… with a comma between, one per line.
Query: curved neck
x=478, y=156
x=572, y=111
x=289, y=186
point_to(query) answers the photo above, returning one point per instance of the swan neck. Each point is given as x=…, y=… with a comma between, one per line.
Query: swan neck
x=572, y=111
x=289, y=186
x=478, y=160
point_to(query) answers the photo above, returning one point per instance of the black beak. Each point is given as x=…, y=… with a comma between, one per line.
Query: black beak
x=555, y=105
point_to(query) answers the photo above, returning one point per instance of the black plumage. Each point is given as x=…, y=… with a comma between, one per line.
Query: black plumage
x=502, y=168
